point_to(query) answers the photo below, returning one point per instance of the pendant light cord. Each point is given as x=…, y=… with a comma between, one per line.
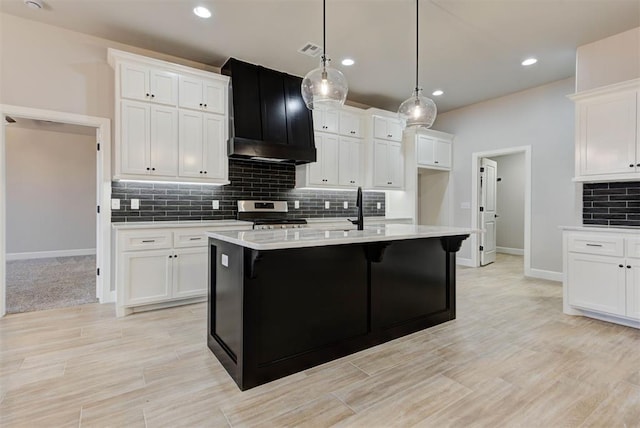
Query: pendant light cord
x=324, y=32
x=417, y=40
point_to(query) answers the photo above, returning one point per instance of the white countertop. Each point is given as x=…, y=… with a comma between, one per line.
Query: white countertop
x=314, y=237
x=602, y=229
x=186, y=223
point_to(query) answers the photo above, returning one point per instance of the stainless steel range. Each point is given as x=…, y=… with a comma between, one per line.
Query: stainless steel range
x=268, y=215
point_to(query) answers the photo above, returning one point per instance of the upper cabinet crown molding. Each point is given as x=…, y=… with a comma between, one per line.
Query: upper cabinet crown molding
x=633, y=84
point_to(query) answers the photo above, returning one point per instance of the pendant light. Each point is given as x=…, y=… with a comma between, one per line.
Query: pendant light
x=324, y=87
x=418, y=111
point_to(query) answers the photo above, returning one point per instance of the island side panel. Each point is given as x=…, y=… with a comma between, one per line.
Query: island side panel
x=411, y=287
x=303, y=307
x=225, y=304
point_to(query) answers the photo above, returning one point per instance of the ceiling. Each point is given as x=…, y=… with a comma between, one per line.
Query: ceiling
x=471, y=49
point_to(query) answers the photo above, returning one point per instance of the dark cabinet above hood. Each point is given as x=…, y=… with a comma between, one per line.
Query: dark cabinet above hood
x=268, y=120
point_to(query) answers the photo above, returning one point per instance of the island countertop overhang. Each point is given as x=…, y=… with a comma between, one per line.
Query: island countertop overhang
x=316, y=237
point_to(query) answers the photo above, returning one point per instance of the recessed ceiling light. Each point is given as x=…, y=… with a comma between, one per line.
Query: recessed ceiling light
x=202, y=12
x=348, y=62
x=529, y=61
x=437, y=93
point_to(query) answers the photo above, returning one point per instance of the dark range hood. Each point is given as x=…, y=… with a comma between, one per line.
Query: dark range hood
x=269, y=120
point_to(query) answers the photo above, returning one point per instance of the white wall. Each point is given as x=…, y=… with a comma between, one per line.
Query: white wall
x=47, y=67
x=607, y=61
x=510, y=201
x=543, y=118
x=51, y=191
x=433, y=198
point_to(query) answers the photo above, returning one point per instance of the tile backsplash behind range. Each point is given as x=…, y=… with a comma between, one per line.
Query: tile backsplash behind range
x=249, y=180
x=611, y=204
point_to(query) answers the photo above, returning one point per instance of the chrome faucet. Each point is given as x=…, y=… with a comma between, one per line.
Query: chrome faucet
x=360, y=221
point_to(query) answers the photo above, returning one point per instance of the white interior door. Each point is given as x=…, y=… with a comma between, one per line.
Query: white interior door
x=488, y=189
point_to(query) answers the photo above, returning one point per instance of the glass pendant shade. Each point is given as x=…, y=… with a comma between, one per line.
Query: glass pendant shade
x=324, y=87
x=418, y=111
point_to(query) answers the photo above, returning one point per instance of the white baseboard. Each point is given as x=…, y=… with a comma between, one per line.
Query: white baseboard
x=507, y=250
x=545, y=274
x=110, y=297
x=464, y=262
x=48, y=254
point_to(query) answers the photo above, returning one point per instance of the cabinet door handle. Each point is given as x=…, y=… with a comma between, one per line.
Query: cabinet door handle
x=631, y=165
x=628, y=266
x=146, y=95
x=170, y=257
x=620, y=266
x=153, y=169
x=594, y=245
x=153, y=96
x=435, y=161
x=195, y=239
x=146, y=241
x=148, y=169
x=205, y=106
x=205, y=172
x=200, y=104
x=638, y=165
x=175, y=256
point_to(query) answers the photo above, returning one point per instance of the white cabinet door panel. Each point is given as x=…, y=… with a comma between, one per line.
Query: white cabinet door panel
x=164, y=141
x=349, y=171
x=632, y=247
x=134, y=82
x=633, y=289
x=442, y=154
x=147, y=275
x=214, y=96
x=607, y=135
x=190, y=272
x=381, y=163
x=191, y=139
x=163, y=87
x=425, y=150
x=135, y=137
x=350, y=124
x=214, y=153
x=596, y=283
x=190, y=93
x=396, y=169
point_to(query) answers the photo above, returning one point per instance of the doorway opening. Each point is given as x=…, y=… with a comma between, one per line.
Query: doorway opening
x=501, y=205
x=33, y=254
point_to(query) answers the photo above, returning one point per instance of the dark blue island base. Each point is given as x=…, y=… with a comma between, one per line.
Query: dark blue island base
x=272, y=313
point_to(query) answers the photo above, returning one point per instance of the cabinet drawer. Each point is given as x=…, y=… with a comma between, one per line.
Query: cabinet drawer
x=189, y=238
x=605, y=245
x=632, y=248
x=145, y=240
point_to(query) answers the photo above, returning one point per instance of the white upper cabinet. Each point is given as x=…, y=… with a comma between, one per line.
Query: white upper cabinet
x=607, y=142
x=387, y=128
x=350, y=162
x=388, y=171
x=138, y=82
x=350, y=124
x=433, y=152
x=171, y=121
x=325, y=120
x=202, y=146
x=324, y=172
x=149, y=139
x=202, y=94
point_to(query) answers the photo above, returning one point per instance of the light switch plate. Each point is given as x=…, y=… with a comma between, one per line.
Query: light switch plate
x=135, y=204
x=327, y=205
x=224, y=259
x=296, y=205
x=115, y=204
x=345, y=204
x=215, y=204
x=379, y=205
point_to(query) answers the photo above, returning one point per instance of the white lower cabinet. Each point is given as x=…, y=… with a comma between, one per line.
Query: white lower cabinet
x=602, y=275
x=159, y=267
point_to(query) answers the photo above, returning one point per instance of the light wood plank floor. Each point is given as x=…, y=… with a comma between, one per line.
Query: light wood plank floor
x=510, y=359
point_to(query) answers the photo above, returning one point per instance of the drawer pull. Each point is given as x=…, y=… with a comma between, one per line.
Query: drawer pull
x=195, y=239
x=146, y=241
x=594, y=245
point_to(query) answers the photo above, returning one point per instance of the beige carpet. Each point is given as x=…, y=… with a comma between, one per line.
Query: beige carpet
x=58, y=282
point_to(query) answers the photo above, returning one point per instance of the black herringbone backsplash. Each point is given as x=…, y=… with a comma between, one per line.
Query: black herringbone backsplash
x=249, y=180
x=611, y=204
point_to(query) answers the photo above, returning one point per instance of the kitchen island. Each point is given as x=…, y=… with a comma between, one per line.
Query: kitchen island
x=281, y=301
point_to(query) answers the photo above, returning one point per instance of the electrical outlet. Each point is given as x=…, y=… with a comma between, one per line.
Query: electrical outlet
x=345, y=205
x=135, y=204
x=215, y=204
x=115, y=204
x=327, y=205
x=296, y=205
x=379, y=205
